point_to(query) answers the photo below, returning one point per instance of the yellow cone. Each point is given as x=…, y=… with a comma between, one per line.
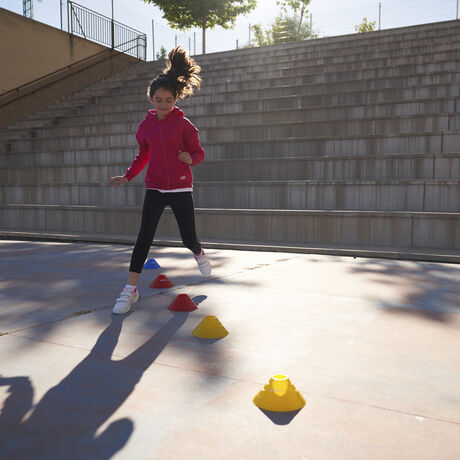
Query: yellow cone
x=210, y=328
x=279, y=395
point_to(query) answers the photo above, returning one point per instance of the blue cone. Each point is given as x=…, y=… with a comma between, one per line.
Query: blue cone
x=151, y=264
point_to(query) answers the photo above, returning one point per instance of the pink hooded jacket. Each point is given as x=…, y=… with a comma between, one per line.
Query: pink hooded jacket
x=159, y=144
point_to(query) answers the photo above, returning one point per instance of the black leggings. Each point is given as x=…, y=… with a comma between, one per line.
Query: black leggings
x=154, y=203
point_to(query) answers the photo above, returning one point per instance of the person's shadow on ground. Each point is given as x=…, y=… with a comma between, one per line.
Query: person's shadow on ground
x=64, y=423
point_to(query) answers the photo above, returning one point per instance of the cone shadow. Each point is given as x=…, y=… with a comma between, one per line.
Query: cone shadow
x=208, y=341
x=280, y=418
x=199, y=298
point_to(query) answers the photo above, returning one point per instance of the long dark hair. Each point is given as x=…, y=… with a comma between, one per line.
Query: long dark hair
x=179, y=76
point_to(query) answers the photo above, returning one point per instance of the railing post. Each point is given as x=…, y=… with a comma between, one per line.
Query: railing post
x=153, y=39
x=68, y=18
x=113, y=32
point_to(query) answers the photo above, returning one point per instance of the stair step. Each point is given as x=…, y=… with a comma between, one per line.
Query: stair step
x=394, y=56
x=437, y=85
x=361, y=228
x=443, y=196
x=41, y=166
x=45, y=167
x=313, y=95
x=404, y=143
x=277, y=108
x=255, y=126
x=446, y=62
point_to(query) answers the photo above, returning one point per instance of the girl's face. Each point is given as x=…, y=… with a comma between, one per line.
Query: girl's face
x=163, y=101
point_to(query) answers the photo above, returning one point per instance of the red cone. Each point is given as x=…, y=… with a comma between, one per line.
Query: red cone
x=161, y=282
x=182, y=303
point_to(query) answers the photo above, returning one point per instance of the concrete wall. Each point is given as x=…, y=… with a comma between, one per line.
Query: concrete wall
x=30, y=49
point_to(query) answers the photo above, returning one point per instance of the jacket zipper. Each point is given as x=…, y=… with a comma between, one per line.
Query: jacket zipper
x=164, y=155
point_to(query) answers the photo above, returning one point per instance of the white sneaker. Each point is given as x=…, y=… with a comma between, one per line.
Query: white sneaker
x=203, y=263
x=126, y=298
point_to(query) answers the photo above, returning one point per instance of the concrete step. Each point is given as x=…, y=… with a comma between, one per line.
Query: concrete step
x=400, y=74
x=52, y=158
x=340, y=59
x=404, y=167
x=396, y=253
x=252, y=112
x=281, y=88
x=319, y=95
x=378, y=68
x=336, y=128
x=344, y=45
x=349, y=44
x=427, y=195
x=272, y=99
x=37, y=167
x=276, y=108
x=363, y=195
x=403, y=143
x=257, y=126
x=445, y=85
x=361, y=228
x=85, y=148
x=265, y=64
x=338, y=53
x=339, y=43
x=287, y=108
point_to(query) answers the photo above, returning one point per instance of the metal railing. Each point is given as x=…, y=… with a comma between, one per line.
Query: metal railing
x=101, y=29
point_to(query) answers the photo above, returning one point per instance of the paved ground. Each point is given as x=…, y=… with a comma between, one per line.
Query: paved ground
x=373, y=346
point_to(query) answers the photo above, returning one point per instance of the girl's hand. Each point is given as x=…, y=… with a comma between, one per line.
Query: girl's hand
x=185, y=157
x=118, y=180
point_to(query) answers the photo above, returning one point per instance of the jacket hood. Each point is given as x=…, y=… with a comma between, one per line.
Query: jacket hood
x=175, y=113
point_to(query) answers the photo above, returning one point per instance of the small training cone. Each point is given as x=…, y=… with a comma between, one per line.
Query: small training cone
x=161, y=282
x=182, y=303
x=279, y=395
x=210, y=328
x=151, y=264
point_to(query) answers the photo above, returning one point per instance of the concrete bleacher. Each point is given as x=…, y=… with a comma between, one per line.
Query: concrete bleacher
x=342, y=145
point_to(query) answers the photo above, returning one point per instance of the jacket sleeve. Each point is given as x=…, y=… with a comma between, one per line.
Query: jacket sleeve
x=141, y=159
x=192, y=144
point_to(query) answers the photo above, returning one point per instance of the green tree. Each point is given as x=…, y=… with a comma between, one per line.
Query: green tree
x=162, y=54
x=285, y=28
x=185, y=14
x=365, y=26
x=295, y=5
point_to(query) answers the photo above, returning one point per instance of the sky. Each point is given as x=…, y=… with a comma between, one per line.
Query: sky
x=329, y=18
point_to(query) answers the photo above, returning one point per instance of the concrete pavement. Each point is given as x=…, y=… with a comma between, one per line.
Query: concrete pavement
x=373, y=346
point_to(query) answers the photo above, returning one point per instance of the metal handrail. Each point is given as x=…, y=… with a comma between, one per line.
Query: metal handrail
x=102, y=29
x=76, y=17
x=19, y=96
x=105, y=17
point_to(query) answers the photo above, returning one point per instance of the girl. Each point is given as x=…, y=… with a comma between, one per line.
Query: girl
x=170, y=144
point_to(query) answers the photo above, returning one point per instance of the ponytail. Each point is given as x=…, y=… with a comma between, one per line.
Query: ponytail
x=179, y=76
